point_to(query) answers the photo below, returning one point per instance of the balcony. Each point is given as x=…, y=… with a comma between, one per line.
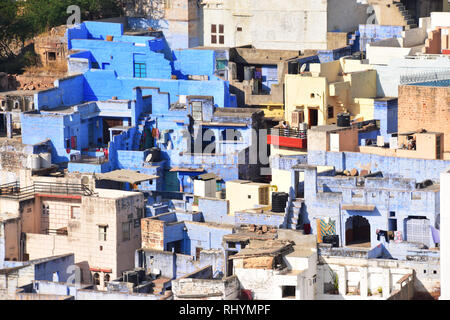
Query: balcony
x=289, y=138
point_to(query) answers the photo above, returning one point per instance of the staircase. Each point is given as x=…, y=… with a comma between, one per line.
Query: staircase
x=142, y=122
x=293, y=216
x=392, y=13
x=160, y=284
x=409, y=21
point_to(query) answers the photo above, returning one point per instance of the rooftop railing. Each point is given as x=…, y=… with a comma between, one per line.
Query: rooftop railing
x=15, y=192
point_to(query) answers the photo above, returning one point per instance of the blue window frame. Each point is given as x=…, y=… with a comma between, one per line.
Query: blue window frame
x=140, y=70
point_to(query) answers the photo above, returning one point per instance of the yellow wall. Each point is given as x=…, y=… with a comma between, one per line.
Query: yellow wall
x=238, y=192
x=329, y=70
x=282, y=178
x=363, y=84
x=350, y=65
x=362, y=108
x=298, y=92
x=359, y=82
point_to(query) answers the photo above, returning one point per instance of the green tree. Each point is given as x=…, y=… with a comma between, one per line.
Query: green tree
x=8, y=15
x=22, y=19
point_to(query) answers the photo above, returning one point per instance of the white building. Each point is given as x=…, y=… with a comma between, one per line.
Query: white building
x=278, y=25
x=445, y=236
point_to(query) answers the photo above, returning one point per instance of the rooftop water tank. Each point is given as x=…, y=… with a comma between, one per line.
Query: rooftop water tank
x=279, y=200
x=343, y=120
x=34, y=162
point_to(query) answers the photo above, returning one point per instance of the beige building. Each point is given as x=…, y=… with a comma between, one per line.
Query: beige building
x=344, y=85
x=294, y=24
x=180, y=20
x=243, y=195
x=102, y=229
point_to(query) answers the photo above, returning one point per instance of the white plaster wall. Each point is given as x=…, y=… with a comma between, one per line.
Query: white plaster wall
x=440, y=19
x=294, y=24
x=445, y=236
x=388, y=76
x=383, y=55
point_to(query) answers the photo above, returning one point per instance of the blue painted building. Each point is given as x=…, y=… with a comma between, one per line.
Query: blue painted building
x=133, y=96
x=369, y=33
x=104, y=46
x=358, y=207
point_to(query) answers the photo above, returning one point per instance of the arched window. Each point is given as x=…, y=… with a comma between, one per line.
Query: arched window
x=96, y=279
x=106, y=279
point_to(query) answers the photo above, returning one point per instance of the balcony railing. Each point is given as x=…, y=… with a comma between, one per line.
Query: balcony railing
x=287, y=137
x=288, y=132
x=15, y=192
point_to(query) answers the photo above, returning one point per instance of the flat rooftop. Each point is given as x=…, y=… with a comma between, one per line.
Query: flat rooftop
x=114, y=194
x=436, y=83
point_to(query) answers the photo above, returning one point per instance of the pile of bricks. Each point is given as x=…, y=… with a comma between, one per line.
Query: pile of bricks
x=261, y=229
x=351, y=173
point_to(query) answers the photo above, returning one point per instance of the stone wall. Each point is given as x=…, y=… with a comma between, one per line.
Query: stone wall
x=152, y=232
x=425, y=107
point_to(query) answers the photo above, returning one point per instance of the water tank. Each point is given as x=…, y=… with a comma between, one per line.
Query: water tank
x=249, y=73
x=279, y=200
x=34, y=162
x=343, y=120
x=303, y=126
x=46, y=160
x=154, y=155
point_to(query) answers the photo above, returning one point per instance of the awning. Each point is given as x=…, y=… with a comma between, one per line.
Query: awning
x=355, y=207
x=128, y=176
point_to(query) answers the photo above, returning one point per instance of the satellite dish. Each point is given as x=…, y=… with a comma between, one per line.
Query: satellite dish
x=303, y=68
x=149, y=158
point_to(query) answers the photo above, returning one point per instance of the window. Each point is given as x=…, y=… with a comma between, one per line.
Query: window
x=51, y=56
x=330, y=112
x=264, y=196
x=102, y=233
x=137, y=223
x=75, y=213
x=126, y=227
x=239, y=29
x=197, y=253
x=106, y=279
x=232, y=245
x=96, y=279
x=140, y=70
x=392, y=214
x=197, y=110
x=221, y=64
x=288, y=291
x=217, y=34
x=45, y=209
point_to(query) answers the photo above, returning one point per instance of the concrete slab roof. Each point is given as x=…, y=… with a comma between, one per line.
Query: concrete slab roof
x=128, y=176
